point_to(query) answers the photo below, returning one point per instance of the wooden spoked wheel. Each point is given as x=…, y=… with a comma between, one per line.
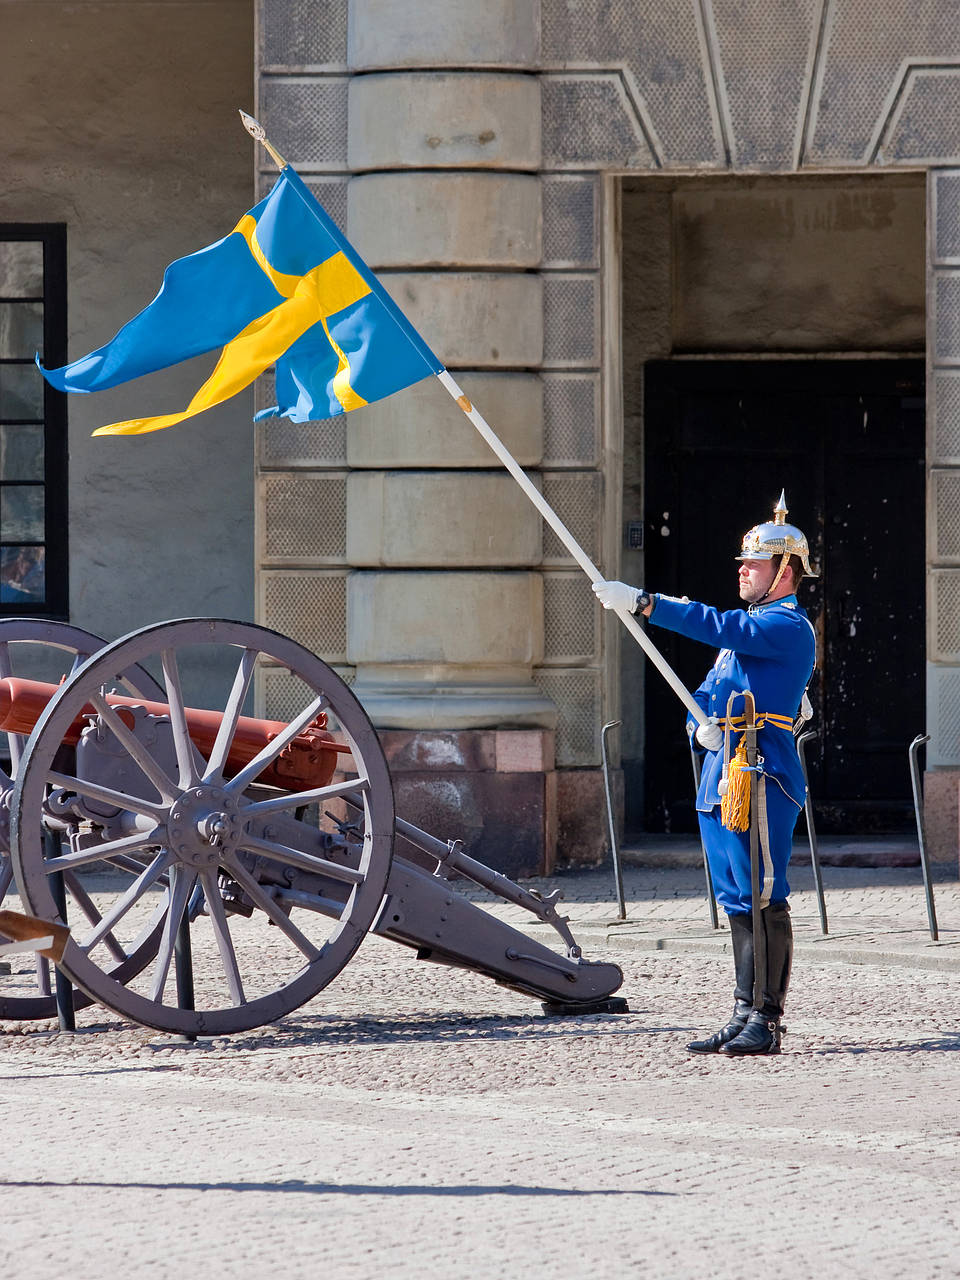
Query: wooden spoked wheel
x=36, y=648
x=285, y=902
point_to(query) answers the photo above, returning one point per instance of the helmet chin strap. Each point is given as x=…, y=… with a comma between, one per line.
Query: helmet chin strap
x=784, y=561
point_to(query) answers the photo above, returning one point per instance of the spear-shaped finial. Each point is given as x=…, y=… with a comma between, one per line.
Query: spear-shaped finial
x=258, y=133
x=780, y=510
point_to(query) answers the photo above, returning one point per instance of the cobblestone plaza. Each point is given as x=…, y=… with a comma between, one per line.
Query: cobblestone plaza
x=417, y=1120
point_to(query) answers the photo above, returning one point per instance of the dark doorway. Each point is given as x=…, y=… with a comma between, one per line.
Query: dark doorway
x=845, y=438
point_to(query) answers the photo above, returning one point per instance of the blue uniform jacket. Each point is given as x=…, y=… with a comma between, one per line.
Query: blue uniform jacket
x=770, y=650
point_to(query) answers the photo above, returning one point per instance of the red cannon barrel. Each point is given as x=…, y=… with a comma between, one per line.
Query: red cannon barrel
x=308, y=760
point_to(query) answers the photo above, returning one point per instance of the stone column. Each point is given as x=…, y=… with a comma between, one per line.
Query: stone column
x=444, y=203
x=943, y=506
x=393, y=541
x=445, y=601
x=424, y=551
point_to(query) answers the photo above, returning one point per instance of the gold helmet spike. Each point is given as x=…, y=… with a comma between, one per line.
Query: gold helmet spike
x=777, y=538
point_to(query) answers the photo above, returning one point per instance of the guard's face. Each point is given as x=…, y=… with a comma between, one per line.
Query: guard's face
x=755, y=577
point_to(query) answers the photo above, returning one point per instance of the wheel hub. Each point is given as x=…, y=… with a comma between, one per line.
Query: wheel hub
x=204, y=824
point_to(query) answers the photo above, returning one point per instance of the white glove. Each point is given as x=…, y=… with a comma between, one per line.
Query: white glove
x=616, y=595
x=710, y=735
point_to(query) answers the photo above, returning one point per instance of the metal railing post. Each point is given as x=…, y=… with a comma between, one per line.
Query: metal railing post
x=913, y=753
x=611, y=821
x=811, y=829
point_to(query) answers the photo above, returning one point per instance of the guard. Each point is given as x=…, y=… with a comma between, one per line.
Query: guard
x=768, y=650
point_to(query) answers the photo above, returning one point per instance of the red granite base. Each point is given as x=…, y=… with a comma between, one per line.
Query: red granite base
x=493, y=789
x=582, y=826
x=941, y=813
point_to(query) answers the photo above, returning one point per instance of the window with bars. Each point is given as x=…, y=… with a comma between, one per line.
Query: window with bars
x=33, y=421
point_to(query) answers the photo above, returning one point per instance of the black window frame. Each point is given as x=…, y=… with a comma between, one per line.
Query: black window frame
x=53, y=236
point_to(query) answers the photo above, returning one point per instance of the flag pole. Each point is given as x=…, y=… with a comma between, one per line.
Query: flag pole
x=568, y=540
x=258, y=133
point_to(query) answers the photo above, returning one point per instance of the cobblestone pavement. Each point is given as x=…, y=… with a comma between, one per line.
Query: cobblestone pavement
x=415, y=1120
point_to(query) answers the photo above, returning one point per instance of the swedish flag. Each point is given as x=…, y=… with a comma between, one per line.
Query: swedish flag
x=284, y=288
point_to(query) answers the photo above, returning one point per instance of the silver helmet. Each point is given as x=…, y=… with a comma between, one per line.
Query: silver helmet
x=777, y=538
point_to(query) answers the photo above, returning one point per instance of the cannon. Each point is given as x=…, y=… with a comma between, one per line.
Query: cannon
x=55, y=650
x=265, y=846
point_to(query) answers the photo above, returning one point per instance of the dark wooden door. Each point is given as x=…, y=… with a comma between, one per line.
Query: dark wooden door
x=846, y=441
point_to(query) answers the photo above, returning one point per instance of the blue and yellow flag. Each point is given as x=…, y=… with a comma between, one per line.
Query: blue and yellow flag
x=284, y=288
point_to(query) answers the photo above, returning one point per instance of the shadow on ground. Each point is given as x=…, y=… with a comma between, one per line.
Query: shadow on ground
x=345, y=1188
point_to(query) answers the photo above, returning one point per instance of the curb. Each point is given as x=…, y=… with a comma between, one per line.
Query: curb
x=944, y=956
x=683, y=859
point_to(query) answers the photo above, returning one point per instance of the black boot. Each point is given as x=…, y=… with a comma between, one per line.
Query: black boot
x=741, y=935
x=762, y=1033
x=713, y=1044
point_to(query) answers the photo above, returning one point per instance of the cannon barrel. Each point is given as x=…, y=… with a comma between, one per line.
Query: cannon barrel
x=309, y=760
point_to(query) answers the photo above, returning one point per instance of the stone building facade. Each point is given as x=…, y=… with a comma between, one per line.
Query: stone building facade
x=548, y=189
x=115, y=138
x=500, y=136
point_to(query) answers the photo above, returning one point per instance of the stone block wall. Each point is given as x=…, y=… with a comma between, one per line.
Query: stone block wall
x=122, y=127
x=469, y=148
x=394, y=538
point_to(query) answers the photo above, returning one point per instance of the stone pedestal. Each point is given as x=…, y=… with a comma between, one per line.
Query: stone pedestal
x=493, y=789
x=583, y=838
x=941, y=814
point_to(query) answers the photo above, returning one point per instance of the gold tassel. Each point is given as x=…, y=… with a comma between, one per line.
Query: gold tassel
x=735, y=802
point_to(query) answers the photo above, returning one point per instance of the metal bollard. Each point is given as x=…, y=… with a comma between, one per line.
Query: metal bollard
x=611, y=821
x=913, y=753
x=811, y=829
